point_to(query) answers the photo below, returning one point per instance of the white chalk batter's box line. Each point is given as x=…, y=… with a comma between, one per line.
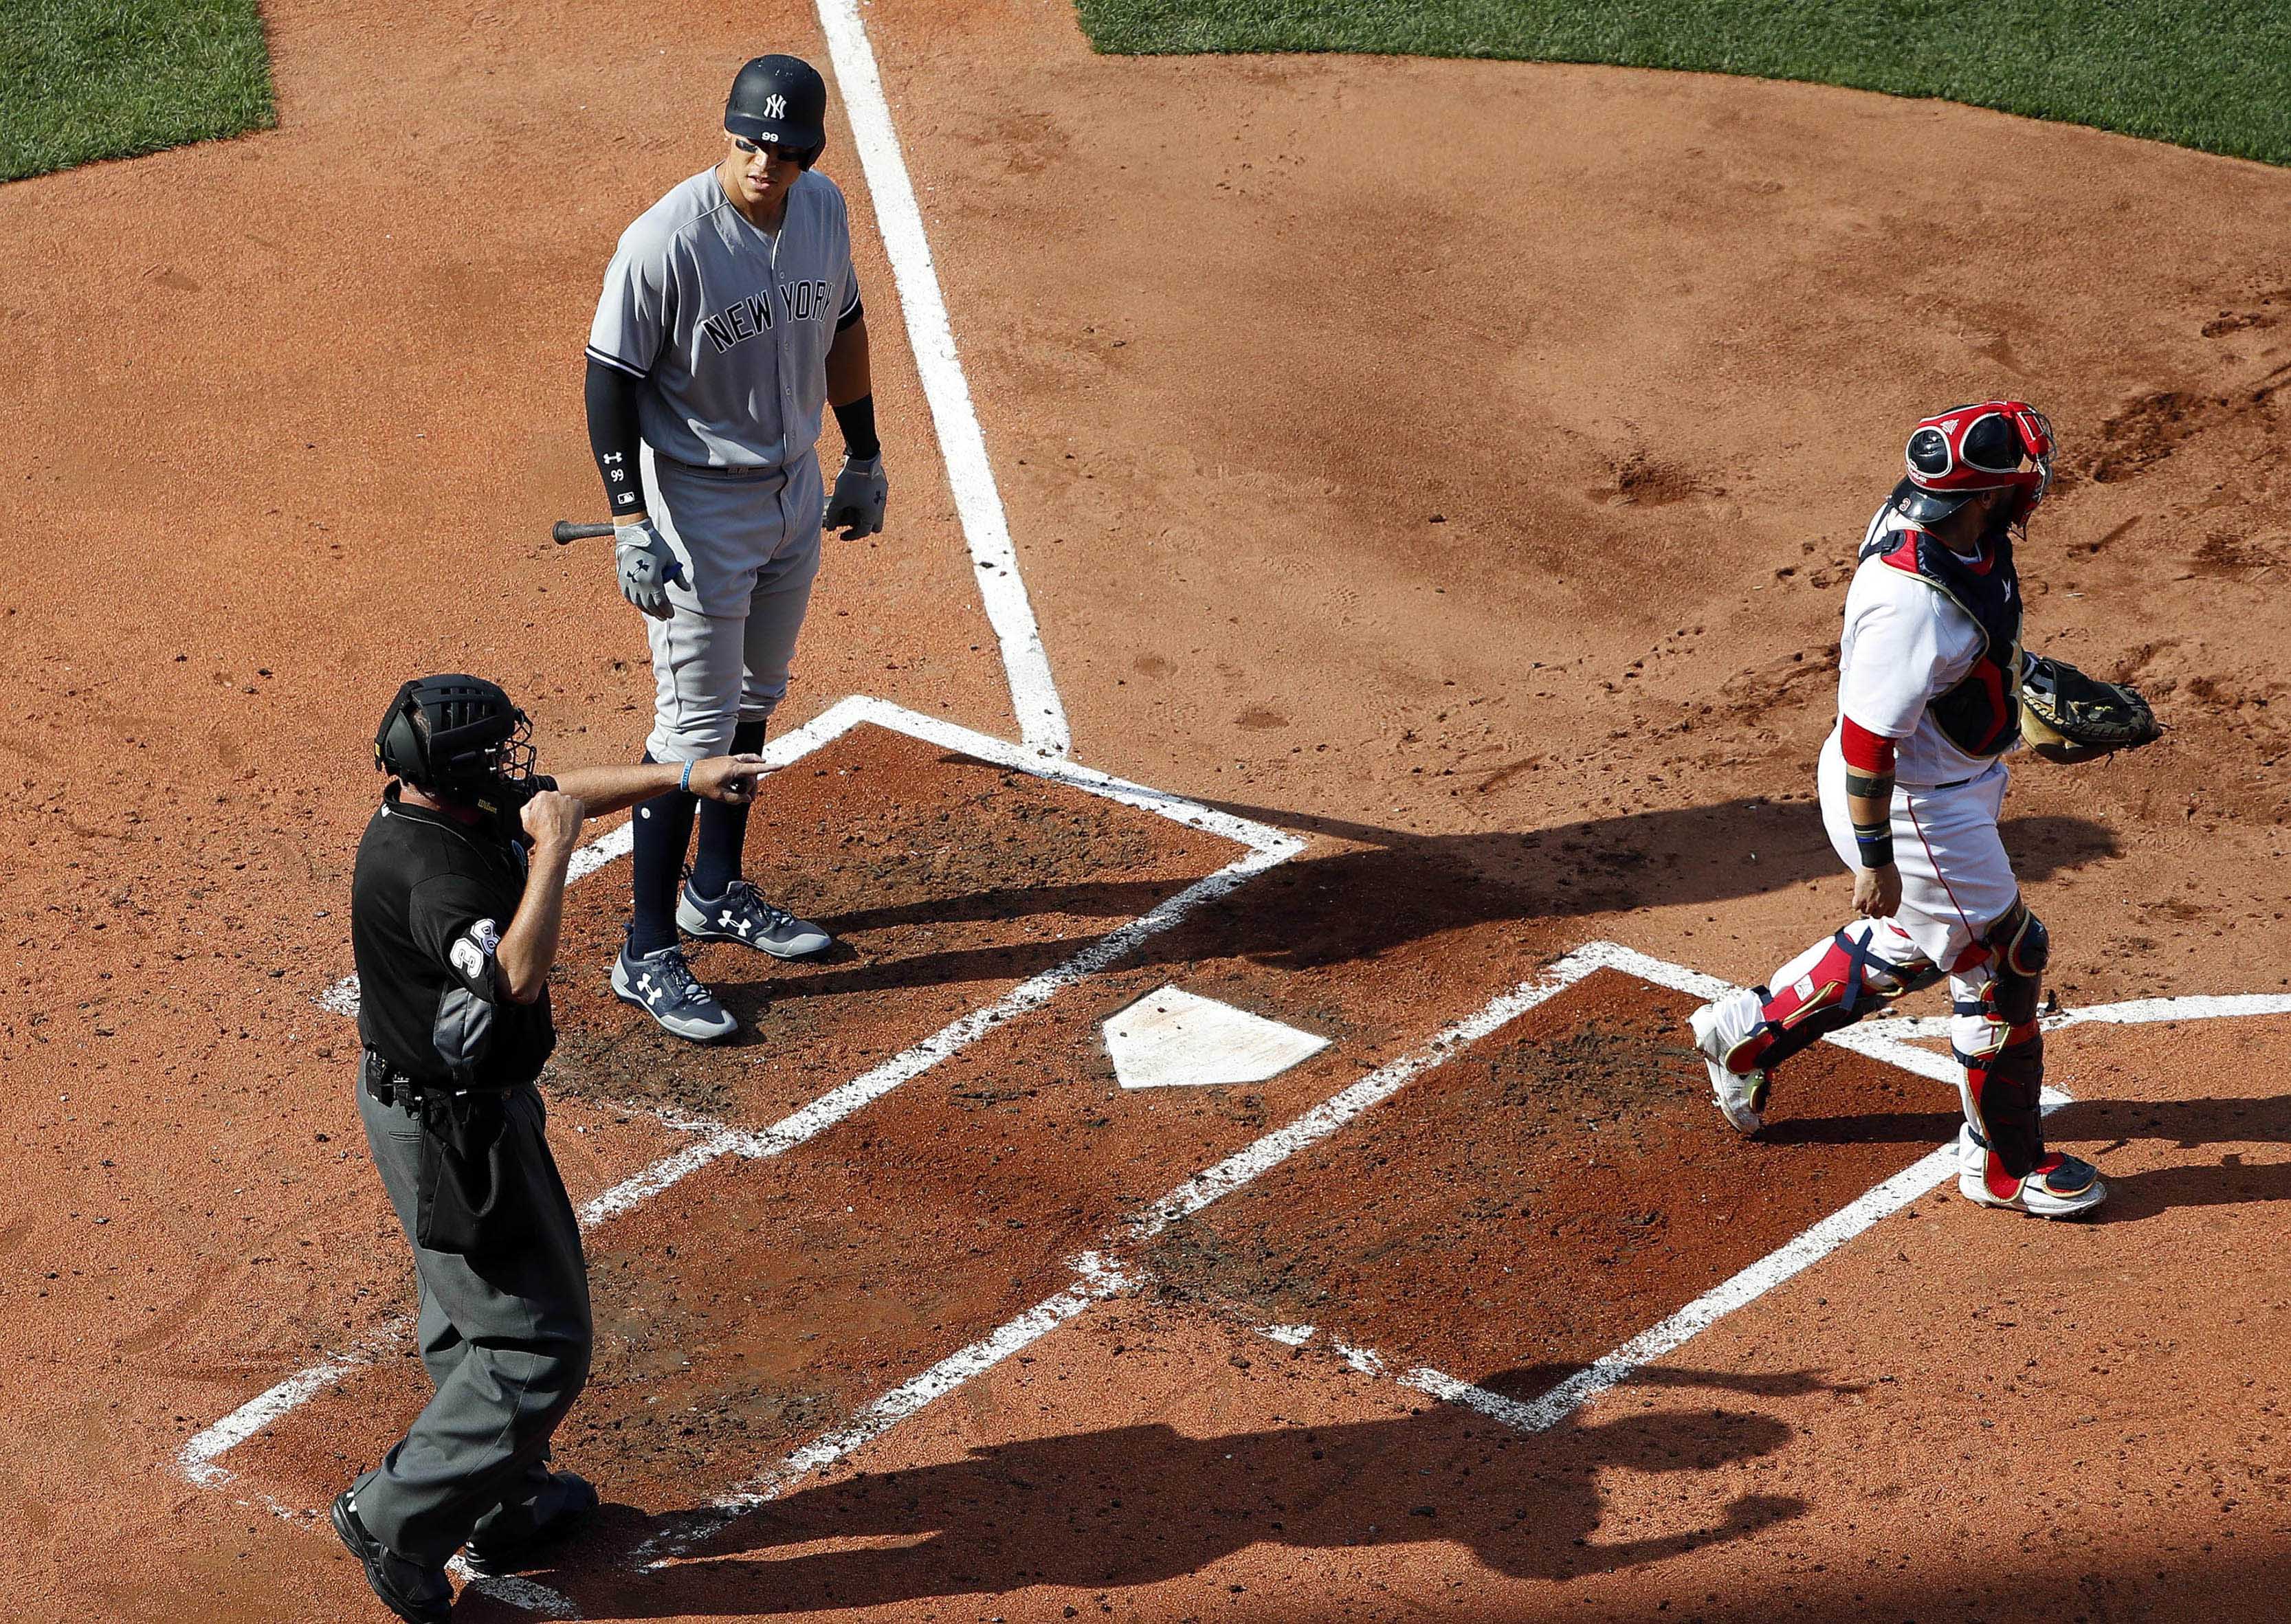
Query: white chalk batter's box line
x=1109, y=1271
x=1264, y=847
x=1887, y=1041
x=1103, y=1273
x=839, y=719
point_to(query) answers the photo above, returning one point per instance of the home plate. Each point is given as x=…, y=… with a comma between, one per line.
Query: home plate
x=1172, y=1039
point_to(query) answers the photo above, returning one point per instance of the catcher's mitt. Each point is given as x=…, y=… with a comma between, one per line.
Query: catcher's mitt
x=2067, y=716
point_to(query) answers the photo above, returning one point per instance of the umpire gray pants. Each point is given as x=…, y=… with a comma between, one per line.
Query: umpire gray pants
x=505, y=1334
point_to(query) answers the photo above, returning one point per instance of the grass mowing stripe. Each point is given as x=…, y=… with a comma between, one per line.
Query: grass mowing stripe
x=87, y=79
x=2216, y=77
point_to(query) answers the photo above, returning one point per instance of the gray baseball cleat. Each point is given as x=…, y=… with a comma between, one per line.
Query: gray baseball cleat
x=663, y=985
x=742, y=915
x=416, y=1594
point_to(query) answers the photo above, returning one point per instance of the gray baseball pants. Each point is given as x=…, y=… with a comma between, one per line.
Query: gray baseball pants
x=750, y=544
x=505, y=1334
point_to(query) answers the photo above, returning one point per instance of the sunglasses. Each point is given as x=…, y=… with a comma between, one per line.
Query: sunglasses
x=785, y=155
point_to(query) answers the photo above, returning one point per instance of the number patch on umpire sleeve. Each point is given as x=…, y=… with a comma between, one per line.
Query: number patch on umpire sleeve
x=472, y=953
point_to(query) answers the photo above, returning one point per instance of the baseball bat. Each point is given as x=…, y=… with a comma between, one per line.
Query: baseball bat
x=563, y=531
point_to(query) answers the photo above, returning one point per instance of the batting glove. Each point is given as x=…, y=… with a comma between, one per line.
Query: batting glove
x=647, y=567
x=857, y=500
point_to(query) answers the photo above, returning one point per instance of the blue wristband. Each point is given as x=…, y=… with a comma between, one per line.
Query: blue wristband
x=684, y=785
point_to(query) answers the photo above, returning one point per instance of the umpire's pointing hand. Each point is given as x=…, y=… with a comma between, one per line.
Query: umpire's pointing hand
x=647, y=567
x=857, y=500
x=730, y=779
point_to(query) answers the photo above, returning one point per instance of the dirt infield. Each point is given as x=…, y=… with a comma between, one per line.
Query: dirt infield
x=1513, y=1213
x=1453, y=464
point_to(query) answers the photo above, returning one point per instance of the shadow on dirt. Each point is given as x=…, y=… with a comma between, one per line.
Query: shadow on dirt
x=1386, y=889
x=1139, y=1504
x=2095, y=1127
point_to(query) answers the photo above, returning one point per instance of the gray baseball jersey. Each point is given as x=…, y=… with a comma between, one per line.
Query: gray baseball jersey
x=728, y=325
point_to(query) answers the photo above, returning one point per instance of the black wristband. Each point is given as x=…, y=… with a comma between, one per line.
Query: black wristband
x=610, y=395
x=858, y=421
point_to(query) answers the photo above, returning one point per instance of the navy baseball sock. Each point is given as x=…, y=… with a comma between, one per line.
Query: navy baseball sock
x=724, y=829
x=663, y=826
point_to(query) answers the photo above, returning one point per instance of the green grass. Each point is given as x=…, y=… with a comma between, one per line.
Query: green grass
x=2214, y=74
x=88, y=79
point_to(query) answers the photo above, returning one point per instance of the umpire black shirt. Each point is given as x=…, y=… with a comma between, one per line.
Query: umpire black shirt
x=430, y=901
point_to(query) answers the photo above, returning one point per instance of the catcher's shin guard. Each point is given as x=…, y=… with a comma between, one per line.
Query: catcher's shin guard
x=2003, y=1092
x=1743, y=1036
x=2002, y=1161
x=2019, y=948
x=1829, y=987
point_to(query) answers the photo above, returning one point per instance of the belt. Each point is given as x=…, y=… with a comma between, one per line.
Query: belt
x=703, y=470
x=393, y=1087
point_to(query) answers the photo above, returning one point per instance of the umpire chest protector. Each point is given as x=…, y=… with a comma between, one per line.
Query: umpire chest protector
x=430, y=899
x=1981, y=715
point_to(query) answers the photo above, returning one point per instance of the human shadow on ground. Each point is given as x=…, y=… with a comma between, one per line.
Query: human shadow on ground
x=2186, y=1124
x=1388, y=888
x=1137, y=1505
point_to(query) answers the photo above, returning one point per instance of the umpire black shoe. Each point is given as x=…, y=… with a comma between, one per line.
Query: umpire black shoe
x=416, y=1594
x=525, y=1532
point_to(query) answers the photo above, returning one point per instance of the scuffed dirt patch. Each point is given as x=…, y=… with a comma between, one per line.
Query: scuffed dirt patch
x=1551, y=1192
x=944, y=880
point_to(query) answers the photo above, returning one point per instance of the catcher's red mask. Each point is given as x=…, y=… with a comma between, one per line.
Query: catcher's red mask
x=1990, y=445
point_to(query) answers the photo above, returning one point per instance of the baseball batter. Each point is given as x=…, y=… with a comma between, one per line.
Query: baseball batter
x=1912, y=780
x=729, y=312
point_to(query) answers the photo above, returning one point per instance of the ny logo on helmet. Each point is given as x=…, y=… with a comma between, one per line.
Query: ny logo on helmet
x=776, y=107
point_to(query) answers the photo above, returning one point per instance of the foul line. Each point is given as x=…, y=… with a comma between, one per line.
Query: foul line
x=985, y=528
x=1265, y=846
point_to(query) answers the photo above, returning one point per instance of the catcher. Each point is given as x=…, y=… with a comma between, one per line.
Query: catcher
x=1934, y=689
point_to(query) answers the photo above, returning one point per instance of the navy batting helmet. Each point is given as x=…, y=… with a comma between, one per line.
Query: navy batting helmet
x=780, y=102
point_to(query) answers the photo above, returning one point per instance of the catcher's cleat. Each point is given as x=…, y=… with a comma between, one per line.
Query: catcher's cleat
x=2060, y=1187
x=663, y=985
x=416, y=1594
x=742, y=915
x=522, y=1534
x=1721, y=1029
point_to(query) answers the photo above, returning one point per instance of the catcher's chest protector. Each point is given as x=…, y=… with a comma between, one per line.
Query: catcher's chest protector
x=1981, y=714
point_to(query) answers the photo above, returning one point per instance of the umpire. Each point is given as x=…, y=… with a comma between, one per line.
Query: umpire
x=454, y=914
